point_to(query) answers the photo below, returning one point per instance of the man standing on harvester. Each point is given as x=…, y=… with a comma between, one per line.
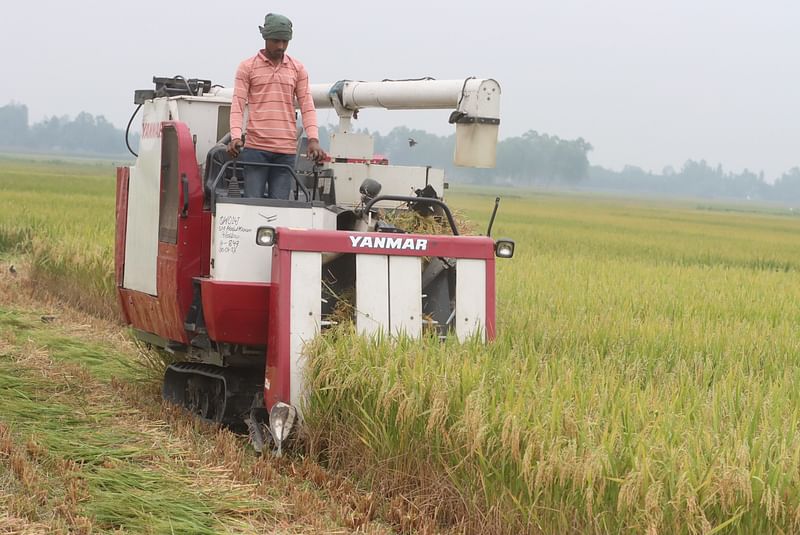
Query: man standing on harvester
x=267, y=84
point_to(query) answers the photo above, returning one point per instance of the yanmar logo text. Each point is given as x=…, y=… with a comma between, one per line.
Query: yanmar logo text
x=380, y=242
x=151, y=130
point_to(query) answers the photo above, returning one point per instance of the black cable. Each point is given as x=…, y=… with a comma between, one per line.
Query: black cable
x=185, y=82
x=463, y=91
x=424, y=78
x=128, y=129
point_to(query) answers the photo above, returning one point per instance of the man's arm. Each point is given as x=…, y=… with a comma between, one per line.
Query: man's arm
x=241, y=88
x=302, y=91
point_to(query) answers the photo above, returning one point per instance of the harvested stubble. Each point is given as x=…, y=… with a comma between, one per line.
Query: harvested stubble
x=90, y=462
x=104, y=455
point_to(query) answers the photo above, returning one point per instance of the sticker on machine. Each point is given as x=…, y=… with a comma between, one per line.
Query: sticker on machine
x=231, y=233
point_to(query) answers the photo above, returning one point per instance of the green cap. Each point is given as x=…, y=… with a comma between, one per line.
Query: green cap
x=276, y=27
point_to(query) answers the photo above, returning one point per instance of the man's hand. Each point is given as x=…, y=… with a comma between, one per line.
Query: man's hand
x=235, y=147
x=315, y=152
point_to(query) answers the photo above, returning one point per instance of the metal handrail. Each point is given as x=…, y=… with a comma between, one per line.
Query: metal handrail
x=409, y=199
x=236, y=163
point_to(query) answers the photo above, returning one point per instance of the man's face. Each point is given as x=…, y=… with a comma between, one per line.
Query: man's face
x=275, y=48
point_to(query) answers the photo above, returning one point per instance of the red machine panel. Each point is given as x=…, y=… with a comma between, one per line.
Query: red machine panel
x=236, y=312
x=162, y=316
x=123, y=177
x=178, y=263
x=281, y=360
x=278, y=382
x=334, y=241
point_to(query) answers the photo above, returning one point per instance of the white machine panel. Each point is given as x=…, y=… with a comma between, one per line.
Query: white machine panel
x=396, y=180
x=405, y=295
x=347, y=145
x=470, y=298
x=372, y=293
x=144, y=187
x=305, y=316
x=200, y=115
x=476, y=145
x=235, y=254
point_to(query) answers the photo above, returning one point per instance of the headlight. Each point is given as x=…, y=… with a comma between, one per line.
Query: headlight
x=265, y=236
x=504, y=248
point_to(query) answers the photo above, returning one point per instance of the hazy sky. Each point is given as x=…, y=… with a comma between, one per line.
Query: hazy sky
x=647, y=83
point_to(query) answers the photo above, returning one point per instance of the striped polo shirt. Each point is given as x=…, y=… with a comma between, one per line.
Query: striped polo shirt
x=268, y=90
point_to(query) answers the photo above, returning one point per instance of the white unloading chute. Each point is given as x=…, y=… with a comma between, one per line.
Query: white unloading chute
x=475, y=103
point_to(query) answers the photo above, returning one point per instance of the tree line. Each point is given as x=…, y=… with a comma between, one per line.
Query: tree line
x=527, y=160
x=542, y=160
x=532, y=159
x=86, y=134
x=698, y=179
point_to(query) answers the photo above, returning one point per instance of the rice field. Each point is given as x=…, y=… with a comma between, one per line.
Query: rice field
x=644, y=380
x=60, y=216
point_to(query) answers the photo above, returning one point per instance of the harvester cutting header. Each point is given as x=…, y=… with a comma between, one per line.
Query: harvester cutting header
x=235, y=285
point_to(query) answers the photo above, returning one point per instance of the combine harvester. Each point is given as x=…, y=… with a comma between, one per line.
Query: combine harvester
x=234, y=287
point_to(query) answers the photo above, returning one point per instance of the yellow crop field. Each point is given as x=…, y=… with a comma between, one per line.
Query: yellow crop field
x=645, y=378
x=61, y=215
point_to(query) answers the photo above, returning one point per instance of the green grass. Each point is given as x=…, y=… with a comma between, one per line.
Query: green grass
x=644, y=379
